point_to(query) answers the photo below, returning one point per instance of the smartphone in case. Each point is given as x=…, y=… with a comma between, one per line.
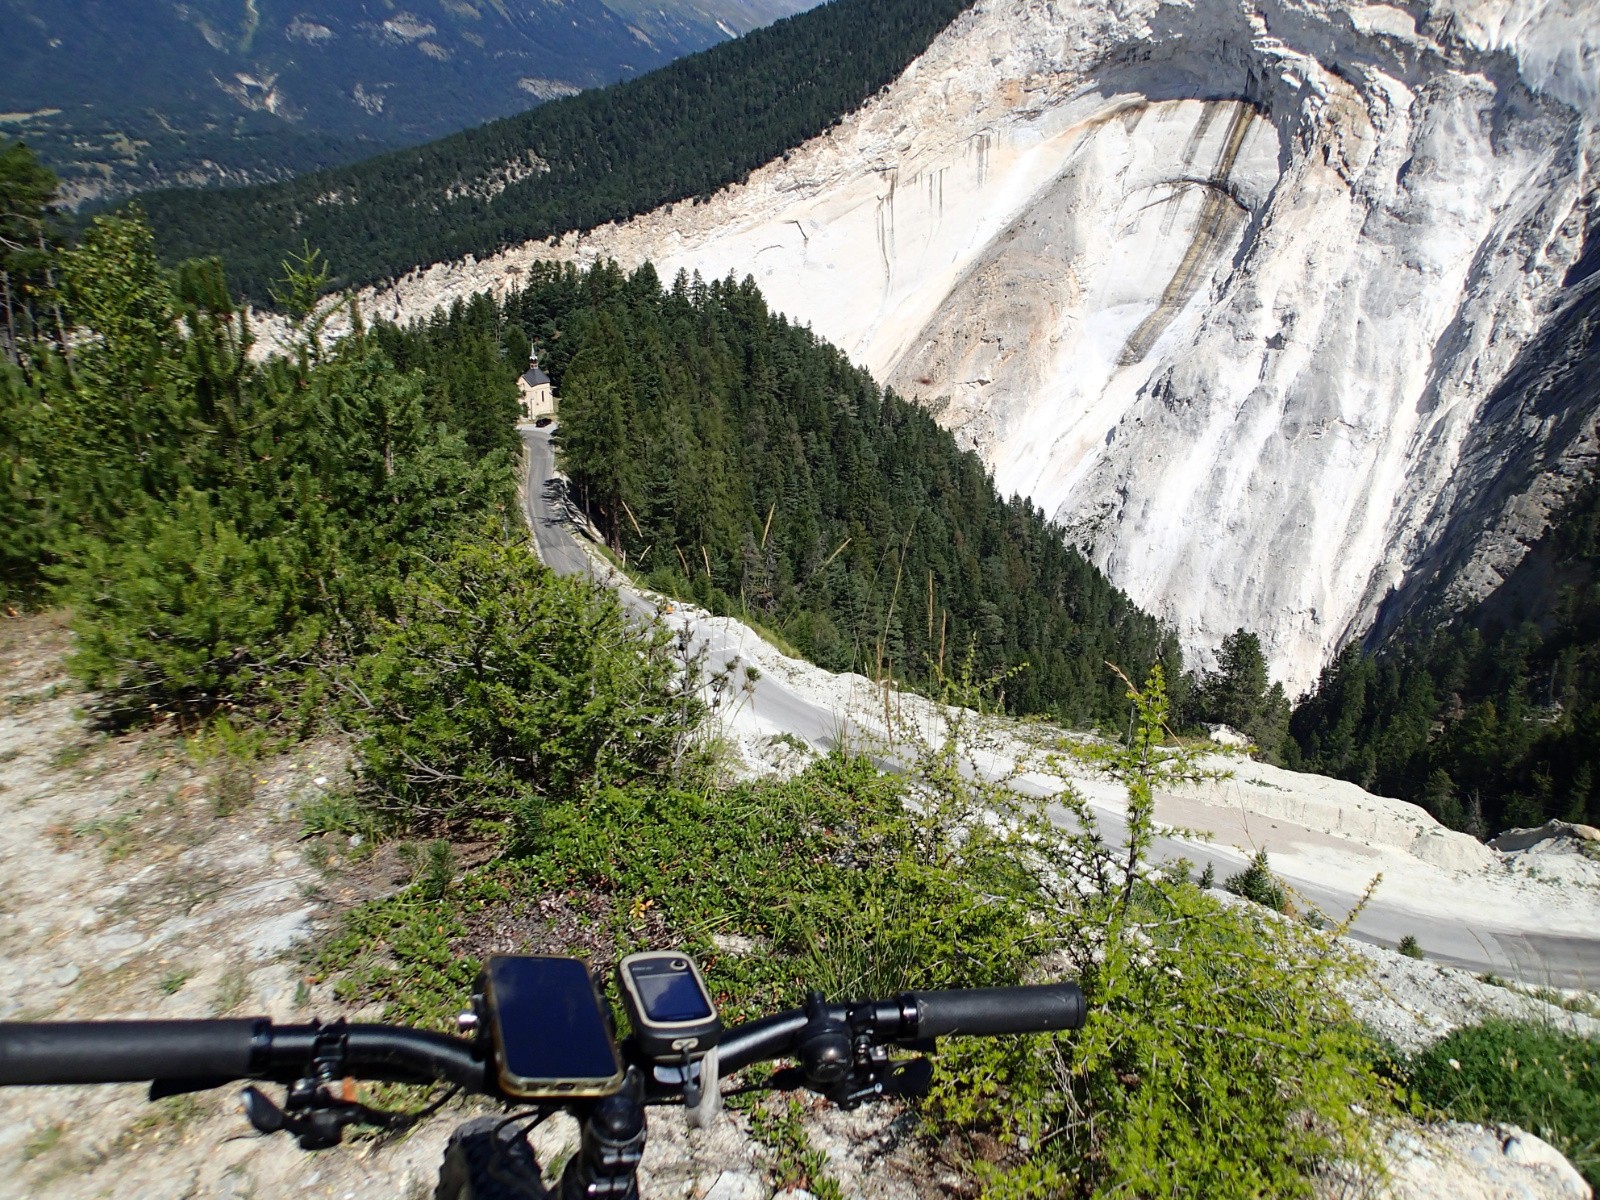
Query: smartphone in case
x=552, y=1035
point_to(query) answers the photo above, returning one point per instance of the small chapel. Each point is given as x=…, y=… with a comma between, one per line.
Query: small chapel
x=538, y=396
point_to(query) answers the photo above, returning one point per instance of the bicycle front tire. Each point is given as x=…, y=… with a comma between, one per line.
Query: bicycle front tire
x=487, y=1159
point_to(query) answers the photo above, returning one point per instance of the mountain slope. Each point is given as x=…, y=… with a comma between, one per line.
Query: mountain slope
x=231, y=90
x=1226, y=289
x=680, y=132
x=736, y=459
x=1489, y=720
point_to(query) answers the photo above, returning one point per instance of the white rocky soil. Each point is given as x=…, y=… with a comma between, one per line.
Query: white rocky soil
x=1223, y=285
x=141, y=884
x=142, y=880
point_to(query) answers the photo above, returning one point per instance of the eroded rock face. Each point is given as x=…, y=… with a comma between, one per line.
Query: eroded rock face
x=1225, y=287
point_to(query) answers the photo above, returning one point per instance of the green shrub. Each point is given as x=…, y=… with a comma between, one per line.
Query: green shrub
x=1218, y=1058
x=501, y=687
x=823, y=871
x=432, y=867
x=1257, y=884
x=1529, y=1075
x=221, y=528
x=1410, y=947
x=181, y=613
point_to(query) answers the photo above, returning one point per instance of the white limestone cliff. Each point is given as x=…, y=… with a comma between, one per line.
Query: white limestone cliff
x=1223, y=285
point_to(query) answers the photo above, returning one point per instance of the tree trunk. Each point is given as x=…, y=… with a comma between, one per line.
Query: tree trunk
x=55, y=302
x=11, y=324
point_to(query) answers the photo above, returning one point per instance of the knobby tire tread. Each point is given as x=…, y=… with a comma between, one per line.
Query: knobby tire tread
x=481, y=1165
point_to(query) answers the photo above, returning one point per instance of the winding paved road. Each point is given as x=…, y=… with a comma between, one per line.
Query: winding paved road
x=1543, y=959
x=544, y=500
x=551, y=521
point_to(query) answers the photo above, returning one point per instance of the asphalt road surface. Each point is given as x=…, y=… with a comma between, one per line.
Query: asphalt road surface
x=1536, y=958
x=545, y=500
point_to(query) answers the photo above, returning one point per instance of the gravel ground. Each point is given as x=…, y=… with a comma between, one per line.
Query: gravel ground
x=140, y=880
x=1413, y=1003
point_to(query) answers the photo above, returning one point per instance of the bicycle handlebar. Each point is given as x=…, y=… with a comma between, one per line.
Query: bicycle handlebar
x=126, y=1051
x=1043, y=1008
x=217, y=1052
x=252, y=1048
x=913, y=1017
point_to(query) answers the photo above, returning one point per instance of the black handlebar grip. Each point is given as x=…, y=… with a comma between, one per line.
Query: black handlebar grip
x=128, y=1051
x=1042, y=1008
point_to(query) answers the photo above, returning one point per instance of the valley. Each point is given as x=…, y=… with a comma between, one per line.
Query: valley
x=1229, y=317
x=232, y=92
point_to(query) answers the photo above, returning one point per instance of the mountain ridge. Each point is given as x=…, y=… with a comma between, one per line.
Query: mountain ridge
x=676, y=134
x=1404, y=213
x=236, y=91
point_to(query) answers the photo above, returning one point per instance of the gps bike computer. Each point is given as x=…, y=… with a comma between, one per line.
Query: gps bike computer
x=669, y=1006
x=552, y=1036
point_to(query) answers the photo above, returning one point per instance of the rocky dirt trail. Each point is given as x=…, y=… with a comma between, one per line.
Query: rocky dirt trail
x=137, y=883
x=140, y=880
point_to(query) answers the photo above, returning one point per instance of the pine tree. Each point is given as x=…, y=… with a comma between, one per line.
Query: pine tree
x=29, y=306
x=1440, y=799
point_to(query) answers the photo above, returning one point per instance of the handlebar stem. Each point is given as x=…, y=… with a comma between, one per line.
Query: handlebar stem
x=614, y=1130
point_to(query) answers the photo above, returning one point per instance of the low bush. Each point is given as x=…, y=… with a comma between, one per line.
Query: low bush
x=1256, y=883
x=501, y=688
x=823, y=873
x=1218, y=1058
x=1530, y=1075
x=1218, y=1061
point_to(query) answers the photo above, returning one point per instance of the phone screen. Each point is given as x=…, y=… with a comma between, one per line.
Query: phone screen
x=549, y=1028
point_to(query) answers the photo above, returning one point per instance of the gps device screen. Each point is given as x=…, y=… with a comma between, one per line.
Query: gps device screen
x=551, y=1035
x=669, y=1007
x=672, y=996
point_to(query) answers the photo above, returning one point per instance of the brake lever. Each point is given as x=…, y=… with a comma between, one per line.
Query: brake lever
x=911, y=1077
x=162, y=1089
x=318, y=1121
x=786, y=1079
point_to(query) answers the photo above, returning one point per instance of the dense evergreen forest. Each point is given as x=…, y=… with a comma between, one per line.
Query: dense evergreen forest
x=681, y=132
x=727, y=454
x=735, y=457
x=1490, y=721
x=223, y=530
